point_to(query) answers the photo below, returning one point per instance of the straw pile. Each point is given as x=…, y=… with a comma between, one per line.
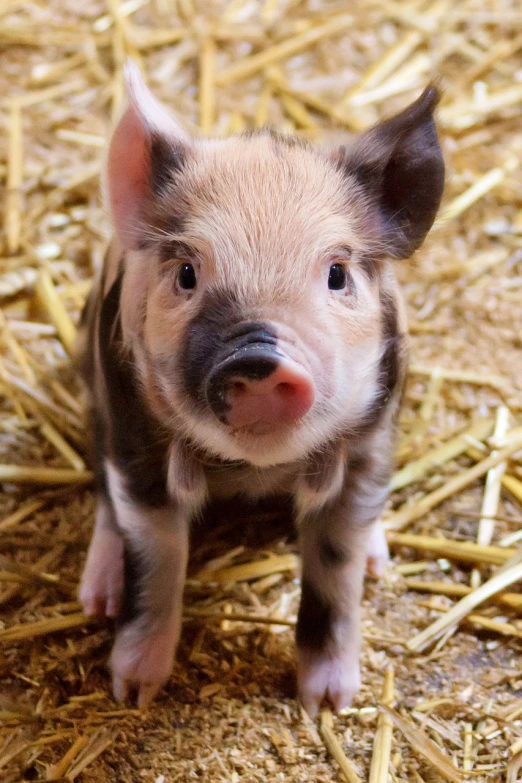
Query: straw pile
x=442, y=676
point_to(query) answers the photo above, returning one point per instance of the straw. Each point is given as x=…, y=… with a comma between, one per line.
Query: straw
x=416, y=470
x=256, y=62
x=20, y=474
x=13, y=209
x=206, y=84
x=464, y=551
x=513, y=600
x=409, y=513
x=335, y=749
x=491, y=498
x=423, y=745
x=383, y=736
x=59, y=316
x=494, y=585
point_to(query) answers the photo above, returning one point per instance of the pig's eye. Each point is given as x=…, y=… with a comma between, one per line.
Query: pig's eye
x=337, y=278
x=187, y=277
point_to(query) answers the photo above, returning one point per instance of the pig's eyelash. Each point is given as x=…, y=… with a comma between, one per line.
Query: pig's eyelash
x=177, y=250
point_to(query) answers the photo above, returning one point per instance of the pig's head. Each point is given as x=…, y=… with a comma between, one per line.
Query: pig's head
x=257, y=272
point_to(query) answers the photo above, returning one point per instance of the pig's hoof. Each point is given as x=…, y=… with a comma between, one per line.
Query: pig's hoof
x=101, y=587
x=336, y=680
x=377, y=555
x=141, y=662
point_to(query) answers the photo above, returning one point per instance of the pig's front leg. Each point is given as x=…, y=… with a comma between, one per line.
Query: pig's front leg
x=335, y=537
x=156, y=549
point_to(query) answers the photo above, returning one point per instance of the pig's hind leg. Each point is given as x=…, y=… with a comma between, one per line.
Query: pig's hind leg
x=377, y=554
x=335, y=539
x=101, y=586
x=156, y=549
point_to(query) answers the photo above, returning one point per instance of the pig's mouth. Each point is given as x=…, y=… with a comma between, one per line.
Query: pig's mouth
x=257, y=429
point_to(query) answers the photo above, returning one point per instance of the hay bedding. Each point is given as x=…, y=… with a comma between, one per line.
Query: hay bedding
x=442, y=631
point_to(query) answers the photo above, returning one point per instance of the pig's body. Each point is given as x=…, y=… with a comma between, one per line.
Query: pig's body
x=246, y=337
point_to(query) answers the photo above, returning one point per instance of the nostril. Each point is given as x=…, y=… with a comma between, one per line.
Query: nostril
x=286, y=389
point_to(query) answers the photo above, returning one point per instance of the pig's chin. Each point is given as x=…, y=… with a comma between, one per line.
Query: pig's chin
x=263, y=443
x=259, y=443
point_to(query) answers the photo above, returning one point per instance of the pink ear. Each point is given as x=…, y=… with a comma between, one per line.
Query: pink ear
x=145, y=126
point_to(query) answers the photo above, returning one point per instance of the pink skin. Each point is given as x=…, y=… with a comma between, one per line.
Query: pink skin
x=143, y=653
x=282, y=398
x=334, y=673
x=335, y=678
x=377, y=552
x=101, y=587
x=143, y=659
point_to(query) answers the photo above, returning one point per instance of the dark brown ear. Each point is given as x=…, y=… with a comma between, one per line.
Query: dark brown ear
x=400, y=166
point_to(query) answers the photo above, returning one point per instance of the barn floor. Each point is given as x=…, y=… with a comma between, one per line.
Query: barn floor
x=320, y=69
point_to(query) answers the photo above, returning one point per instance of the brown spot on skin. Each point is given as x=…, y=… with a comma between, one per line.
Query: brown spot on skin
x=134, y=440
x=314, y=620
x=332, y=553
x=134, y=571
x=166, y=161
x=359, y=463
x=370, y=265
x=388, y=374
x=321, y=468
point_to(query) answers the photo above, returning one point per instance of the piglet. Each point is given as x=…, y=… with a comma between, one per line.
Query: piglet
x=246, y=337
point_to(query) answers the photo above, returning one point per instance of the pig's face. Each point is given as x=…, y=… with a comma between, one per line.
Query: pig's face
x=255, y=276
x=261, y=323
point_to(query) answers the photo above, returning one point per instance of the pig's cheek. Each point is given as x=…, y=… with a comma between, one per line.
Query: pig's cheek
x=101, y=587
x=377, y=554
x=335, y=678
x=143, y=660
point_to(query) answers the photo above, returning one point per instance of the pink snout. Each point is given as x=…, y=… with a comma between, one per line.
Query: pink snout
x=259, y=388
x=281, y=398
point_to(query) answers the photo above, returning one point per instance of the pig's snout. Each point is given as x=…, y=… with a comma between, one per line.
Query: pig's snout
x=258, y=387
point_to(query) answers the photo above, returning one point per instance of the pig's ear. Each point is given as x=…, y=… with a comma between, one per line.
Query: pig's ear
x=400, y=166
x=147, y=149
